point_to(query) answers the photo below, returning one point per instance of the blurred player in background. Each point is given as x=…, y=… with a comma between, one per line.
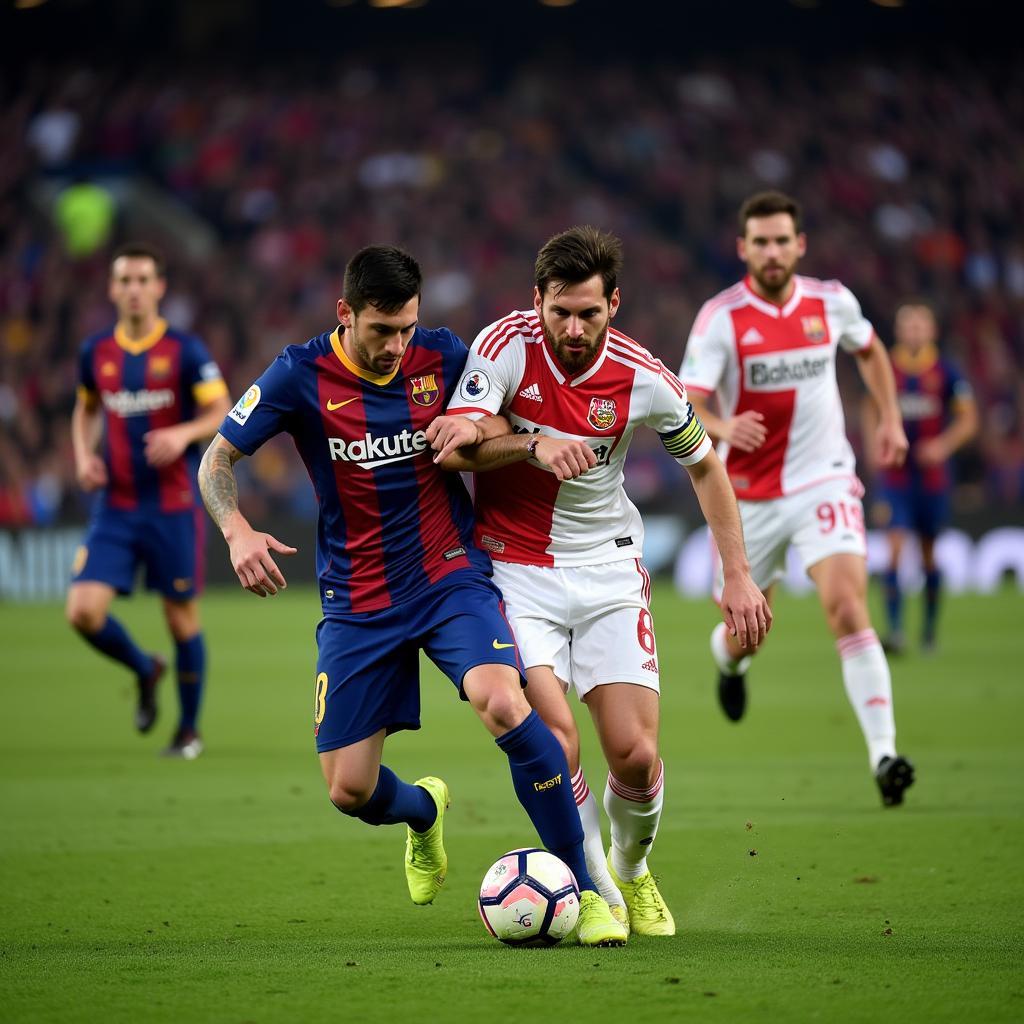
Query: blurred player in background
x=151, y=393
x=567, y=552
x=399, y=572
x=767, y=347
x=940, y=417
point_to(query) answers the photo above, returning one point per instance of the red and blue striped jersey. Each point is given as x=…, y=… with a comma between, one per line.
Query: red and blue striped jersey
x=929, y=386
x=391, y=523
x=157, y=381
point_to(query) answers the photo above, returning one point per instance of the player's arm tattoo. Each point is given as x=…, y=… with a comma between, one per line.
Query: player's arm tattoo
x=217, y=481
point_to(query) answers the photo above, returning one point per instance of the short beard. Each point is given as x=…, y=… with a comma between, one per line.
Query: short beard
x=574, y=364
x=775, y=292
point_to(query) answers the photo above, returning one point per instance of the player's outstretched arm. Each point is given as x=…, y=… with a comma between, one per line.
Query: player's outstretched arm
x=744, y=608
x=448, y=434
x=249, y=549
x=890, y=440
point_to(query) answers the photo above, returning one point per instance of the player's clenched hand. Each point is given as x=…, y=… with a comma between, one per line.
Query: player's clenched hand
x=566, y=459
x=891, y=444
x=164, y=445
x=251, y=559
x=745, y=610
x=91, y=472
x=746, y=431
x=447, y=433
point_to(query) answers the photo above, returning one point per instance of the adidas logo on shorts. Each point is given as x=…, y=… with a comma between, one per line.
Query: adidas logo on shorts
x=532, y=392
x=650, y=665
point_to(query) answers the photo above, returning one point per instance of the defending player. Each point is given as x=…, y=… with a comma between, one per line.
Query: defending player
x=767, y=347
x=398, y=569
x=151, y=393
x=567, y=551
x=940, y=416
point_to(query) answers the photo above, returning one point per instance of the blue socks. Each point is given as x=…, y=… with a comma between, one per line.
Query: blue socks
x=893, y=602
x=191, y=664
x=932, y=586
x=112, y=639
x=395, y=801
x=540, y=775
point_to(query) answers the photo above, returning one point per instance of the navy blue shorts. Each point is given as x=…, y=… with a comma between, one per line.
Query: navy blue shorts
x=168, y=544
x=912, y=508
x=368, y=675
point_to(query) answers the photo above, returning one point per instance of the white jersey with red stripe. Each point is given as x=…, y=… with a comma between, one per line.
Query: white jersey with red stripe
x=779, y=361
x=524, y=513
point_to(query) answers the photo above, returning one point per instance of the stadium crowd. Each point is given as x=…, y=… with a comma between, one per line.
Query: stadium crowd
x=909, y=176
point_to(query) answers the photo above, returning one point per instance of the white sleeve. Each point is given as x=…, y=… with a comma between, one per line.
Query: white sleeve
x=491, y=374
x=708, y=350
x=855, y=330
x=672, y=416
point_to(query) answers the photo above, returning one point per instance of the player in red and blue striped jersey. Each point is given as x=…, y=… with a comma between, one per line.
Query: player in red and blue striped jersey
x=152, y=393
x=397, y=567
x=939, y=416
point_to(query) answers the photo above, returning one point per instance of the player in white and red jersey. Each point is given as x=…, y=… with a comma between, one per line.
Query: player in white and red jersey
x=567, y=542
x=767, y=348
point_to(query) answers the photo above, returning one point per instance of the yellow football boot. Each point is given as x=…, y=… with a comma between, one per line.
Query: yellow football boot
x=648, y=912
x=426, y=863
x=596, y=925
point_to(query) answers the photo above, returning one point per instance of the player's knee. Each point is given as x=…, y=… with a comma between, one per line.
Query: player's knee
x=348, y=796
x=635, y=763
x=501, y=707
x=83, y=617
x=847, y=614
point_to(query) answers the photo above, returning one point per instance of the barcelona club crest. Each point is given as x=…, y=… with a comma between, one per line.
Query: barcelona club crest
x=814, y=328
x=424, y=389
x=160, y=366
x=602, y=414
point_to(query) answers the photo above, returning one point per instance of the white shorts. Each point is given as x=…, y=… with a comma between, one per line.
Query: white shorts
x=827, y=519
x=591, y=623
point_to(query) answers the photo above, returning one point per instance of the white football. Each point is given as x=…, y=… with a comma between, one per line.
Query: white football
x=529, y=898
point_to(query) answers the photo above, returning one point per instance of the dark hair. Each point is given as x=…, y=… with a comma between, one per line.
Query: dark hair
x=142, y=250
x=765, y=204
x=382, y=276
x=577, y=255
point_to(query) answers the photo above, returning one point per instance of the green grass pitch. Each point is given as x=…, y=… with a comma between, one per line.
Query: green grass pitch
x=139, y=889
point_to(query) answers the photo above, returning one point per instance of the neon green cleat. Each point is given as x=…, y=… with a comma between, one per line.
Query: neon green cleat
x=621, y=914
x=596, y=925
x=648, y=912
x=426, y=863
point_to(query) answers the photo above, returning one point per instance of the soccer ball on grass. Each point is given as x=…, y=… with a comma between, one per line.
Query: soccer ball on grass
x=529, y=898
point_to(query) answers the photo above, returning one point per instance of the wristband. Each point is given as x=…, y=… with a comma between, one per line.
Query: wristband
x=531, y=448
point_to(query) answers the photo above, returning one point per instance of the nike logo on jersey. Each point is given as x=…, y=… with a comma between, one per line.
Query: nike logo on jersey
x=752, y=336
x=331, y=406
x=498, y=646
x=532, y=393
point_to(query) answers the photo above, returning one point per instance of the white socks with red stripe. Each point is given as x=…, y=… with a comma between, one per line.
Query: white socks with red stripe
x=869, y=689
x=726, y=663
x=593, y=844
x=634, y=814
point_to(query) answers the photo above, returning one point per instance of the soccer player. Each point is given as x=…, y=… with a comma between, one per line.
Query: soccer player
x=151, y=393
x=940, y=417
x=398, y=570
x=567, y=549
x=767, y=346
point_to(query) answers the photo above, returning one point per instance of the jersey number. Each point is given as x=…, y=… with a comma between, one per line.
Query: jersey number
x=832, y=514
x=319, y=702
x=645, y=631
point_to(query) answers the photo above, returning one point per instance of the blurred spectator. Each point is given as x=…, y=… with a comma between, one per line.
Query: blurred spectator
x=908, y=175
